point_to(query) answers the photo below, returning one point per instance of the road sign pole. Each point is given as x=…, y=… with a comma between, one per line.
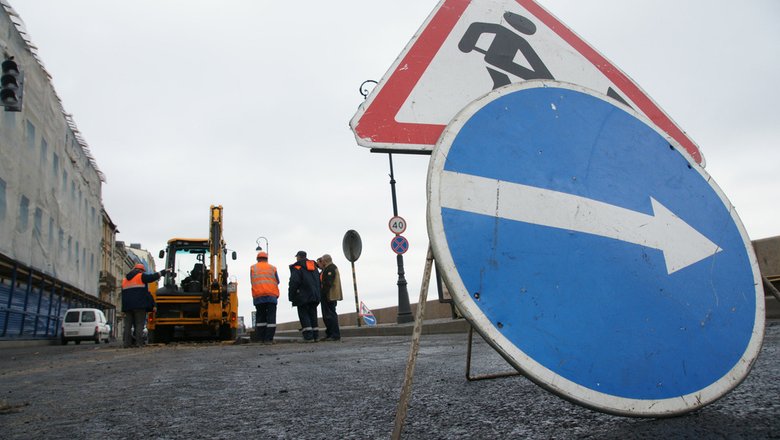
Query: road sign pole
x=353, y=246
x=404, y=309
x=357, y=302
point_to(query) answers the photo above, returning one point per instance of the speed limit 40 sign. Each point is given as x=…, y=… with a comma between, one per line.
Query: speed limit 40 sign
x=397, y=225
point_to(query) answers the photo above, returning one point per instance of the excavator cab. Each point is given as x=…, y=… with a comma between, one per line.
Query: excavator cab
x=189, y=260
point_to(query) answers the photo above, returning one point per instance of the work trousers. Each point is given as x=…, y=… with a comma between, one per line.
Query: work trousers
x=331, y=319
x=307, y=314
x=265, y=327
x=134, y=319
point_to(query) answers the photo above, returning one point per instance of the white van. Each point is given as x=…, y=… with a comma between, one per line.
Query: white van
x=85, y=325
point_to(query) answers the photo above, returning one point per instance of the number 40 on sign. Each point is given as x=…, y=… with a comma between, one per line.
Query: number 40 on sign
x=397, y=225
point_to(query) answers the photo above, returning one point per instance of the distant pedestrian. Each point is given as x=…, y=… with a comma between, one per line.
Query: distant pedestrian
x=136, y=302
x=304, y=292
x=265, y=296
x=330, y=294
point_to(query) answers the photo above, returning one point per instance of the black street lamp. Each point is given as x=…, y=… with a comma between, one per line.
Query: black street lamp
x=404, y=309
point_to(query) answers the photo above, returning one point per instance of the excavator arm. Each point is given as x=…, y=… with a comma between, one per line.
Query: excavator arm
x=216, y=249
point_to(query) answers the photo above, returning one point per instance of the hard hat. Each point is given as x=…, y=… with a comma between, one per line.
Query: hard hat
x=139, y=266
x=262, y=254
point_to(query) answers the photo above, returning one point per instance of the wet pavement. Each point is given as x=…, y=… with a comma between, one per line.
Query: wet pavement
x=330, y=390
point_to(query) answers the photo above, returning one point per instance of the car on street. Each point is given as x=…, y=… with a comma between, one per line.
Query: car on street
x=85, y=324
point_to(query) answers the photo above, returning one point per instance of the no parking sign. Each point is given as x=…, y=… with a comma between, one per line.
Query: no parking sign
x=586, y=246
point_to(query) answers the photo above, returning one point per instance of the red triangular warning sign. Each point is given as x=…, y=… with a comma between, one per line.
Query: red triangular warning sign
x=464, y=50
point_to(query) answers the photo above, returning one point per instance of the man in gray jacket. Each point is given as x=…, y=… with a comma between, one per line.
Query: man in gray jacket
x=330, y=291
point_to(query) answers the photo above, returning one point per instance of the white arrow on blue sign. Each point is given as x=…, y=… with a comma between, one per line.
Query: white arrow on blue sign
x=588, y=249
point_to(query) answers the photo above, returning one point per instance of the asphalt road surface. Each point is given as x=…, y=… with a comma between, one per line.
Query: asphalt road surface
x=330, y=390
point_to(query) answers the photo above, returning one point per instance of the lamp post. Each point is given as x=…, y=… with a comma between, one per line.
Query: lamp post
x=404, y=309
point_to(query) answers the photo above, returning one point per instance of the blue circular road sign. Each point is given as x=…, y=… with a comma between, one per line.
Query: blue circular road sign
x=592, y=252
x=399, y=244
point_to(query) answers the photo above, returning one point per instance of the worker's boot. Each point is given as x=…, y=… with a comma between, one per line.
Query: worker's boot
x=270, y=331
x=315, y=335
x=260, y=333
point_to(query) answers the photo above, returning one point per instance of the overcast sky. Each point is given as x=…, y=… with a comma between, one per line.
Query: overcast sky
x=246, y=103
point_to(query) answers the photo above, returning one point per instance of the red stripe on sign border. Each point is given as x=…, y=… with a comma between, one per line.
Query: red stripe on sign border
x=381, y=126
x=623, y=82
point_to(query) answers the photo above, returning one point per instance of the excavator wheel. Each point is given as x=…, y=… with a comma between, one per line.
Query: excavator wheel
x=226, y=333
x=161, y=335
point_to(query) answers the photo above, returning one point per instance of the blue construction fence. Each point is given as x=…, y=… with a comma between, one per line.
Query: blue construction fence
x=33, y=304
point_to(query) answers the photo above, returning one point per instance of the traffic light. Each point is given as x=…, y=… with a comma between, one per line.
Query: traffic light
x=12, y=85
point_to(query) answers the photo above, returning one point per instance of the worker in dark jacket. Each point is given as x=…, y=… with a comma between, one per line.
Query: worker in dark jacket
x=304, y=292
x=136, y=301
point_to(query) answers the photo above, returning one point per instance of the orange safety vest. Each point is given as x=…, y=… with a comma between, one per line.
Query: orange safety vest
x=133, y=282
x=264, y=283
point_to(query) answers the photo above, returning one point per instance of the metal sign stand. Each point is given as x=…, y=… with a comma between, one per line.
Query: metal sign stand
x=406, y=390
x=471, y=378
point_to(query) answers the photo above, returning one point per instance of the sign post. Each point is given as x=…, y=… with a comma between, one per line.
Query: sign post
x=353, y=246
x=600, y=261
x=404, y=308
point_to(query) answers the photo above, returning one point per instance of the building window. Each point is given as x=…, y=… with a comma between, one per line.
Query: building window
x=30, y=135
x=64, y=180
x=24, y=214
x=61, y=242
x=55, y=167
x=70, y=248
x=73, y=190
x=2, y=200
x=51, y=232
x=44, y=152
x=38, y=223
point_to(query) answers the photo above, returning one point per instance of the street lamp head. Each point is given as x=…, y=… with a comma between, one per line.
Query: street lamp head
x=260, y=248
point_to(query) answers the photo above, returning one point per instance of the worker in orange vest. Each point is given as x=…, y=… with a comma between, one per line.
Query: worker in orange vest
x=137, y=301
x=265, y=296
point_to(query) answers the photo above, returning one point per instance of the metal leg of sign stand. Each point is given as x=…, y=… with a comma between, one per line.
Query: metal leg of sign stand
x=769, y=287
x=471, y=378
x=406, y=390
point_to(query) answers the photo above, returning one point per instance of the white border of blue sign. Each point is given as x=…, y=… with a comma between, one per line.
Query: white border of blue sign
x=531, y=368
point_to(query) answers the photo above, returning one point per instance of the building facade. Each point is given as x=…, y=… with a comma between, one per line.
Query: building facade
x=51, y=214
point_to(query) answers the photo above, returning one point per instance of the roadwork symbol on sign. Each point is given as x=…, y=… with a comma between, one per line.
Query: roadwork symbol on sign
x=588, y=249
x=490, y=43
x=399, y=244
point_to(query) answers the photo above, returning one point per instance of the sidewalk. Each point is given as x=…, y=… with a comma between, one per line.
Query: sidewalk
x=430, y=327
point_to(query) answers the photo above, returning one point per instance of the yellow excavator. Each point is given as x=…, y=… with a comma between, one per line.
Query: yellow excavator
x=197, y=299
